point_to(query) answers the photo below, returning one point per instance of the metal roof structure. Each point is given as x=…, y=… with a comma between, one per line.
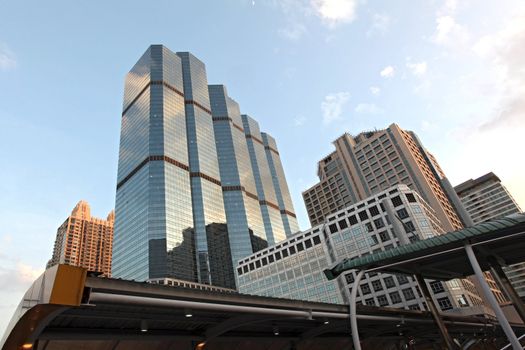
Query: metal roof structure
x=443, y=257
x=67, y=308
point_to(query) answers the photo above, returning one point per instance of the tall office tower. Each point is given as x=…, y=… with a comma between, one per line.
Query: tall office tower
x=372, y=161
x=365, y=164
x=294, y=268
x=485, y=198
x=184, y=164
x=86, y=241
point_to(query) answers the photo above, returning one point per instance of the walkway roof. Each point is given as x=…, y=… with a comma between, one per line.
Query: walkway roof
x=443, y=257
x=69, y=309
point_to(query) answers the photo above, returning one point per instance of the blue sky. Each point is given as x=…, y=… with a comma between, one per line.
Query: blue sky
x=307, y=70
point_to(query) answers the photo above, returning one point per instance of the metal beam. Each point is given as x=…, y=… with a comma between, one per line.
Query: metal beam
x=447, y=339
x=504, y=323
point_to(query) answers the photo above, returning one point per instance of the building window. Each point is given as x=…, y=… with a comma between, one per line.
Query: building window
x=396, y=201
x=410, y=197
x=384, y=236
x=369, y=227
x=370, y=302
x=395, y=297
x=382, y=300
x=333, y=228
x=379, y=223
x=349, y=278
x=409, y=227
x=353, y=220
x=444, y=303
x=365, y=289
x=377, y=286
x=402, y=213
x=437, y=287
x=317, y=240
x=409, y=294
x=363, y=215
x=374, y=211
x=389, y=282
x=343, y=224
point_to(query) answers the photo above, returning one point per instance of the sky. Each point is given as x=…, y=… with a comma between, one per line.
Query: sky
x=307, y=70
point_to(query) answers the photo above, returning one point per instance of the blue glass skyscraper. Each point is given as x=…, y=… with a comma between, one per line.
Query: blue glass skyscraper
x=187, y=162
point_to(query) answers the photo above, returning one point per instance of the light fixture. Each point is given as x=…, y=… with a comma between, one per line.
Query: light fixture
x=187, y=313
x=200, y=346
x=275, y=330
x=27, y=346
x=326, y=322
x=143, y=326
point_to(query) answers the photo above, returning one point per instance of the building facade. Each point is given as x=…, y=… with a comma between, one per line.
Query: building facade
x=294, y=268
x=85, y=241
x=370, y=162
x=485, y=198
x=184, y=164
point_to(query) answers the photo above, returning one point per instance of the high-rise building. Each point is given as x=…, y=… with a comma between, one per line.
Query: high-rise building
x=86, y=241
x=186, y=161
x=372, y=161
x=485, y=198
x=396, y=216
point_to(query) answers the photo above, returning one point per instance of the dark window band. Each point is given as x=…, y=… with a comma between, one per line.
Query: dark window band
x=195, y=103
x=271, y=149
x=249, y=136
x=217, y=119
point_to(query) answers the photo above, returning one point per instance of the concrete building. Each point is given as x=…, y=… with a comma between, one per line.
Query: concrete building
x=188, y=160
x=485, y=198
x=84, y=241
x=398, y=215
x=372, y=161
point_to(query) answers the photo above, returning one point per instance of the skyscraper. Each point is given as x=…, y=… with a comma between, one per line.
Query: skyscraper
x=372, y=161
x=83, y=240
x=184, y=164
x=485, y=198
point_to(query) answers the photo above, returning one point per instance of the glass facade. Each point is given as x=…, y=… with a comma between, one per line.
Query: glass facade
x=184, y=167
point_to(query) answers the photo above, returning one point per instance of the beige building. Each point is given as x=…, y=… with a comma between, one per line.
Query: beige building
x=372, y=161
x=86, y=241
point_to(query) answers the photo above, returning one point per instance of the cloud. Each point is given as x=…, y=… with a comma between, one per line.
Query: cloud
x=18, y=277
x=449, y=33
x=332, y=106
x=380, y=24
x=505, y=52
x=417, y=68
x=388, y=72
x=375, y=90
x=368, y=108
x=334, y=12
x=7, y=58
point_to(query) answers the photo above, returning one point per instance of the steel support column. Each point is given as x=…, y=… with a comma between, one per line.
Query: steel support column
x=504, y=323
x=504, y=283
x=353, y=311
x=449, y=342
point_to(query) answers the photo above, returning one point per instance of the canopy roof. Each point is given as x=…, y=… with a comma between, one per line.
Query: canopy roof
x=443, y=257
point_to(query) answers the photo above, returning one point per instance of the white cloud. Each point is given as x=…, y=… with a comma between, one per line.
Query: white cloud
x=368, y=108
x=332, y=106
x=375, y=90
x=380, y=23
x=334, y=12
x=450, y=33
x=388, y=72
x=7, y=58
x=417, y=68
x=18, y=277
